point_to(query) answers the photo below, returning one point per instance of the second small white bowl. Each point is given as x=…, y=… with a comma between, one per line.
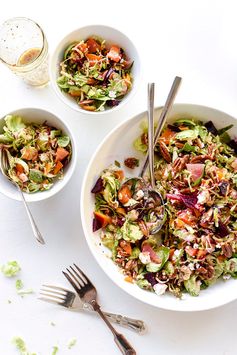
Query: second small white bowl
x=111, y=36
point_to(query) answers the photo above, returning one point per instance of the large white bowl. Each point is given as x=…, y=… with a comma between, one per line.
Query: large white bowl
x=117, y=146
x=112, y=36
x=37, y=115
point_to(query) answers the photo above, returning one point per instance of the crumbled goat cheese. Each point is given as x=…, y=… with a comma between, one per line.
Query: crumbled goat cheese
x=160, y=288
x=145, y=257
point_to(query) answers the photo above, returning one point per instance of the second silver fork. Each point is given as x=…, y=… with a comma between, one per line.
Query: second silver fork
x=69, y=299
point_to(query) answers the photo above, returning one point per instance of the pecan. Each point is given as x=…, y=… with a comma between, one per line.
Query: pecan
x=165, y=151
x=207, y=272
x=200, y=159
x=179, y=145
x=131, y=162
x=185, y=273
x=131, y=265
x=206, y=218
x=144, y=138
x=120, y=262
x=180, y=184
x=211, y=149
x=227, y=250
x=179, y=163
x=186, y=191
x=200, y=144
x=121, y=253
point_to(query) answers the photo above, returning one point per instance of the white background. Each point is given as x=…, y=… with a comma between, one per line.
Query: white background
x=193, y=39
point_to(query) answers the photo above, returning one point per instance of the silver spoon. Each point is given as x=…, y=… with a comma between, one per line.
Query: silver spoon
x=152, y=192
x=152, y=197
x=4, y=166
x=166, y=109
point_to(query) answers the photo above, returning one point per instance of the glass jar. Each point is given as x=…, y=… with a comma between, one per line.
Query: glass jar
x=24, y=49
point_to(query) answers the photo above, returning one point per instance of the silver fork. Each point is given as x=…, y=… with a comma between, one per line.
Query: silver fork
x=88, y=294
x=69, y=299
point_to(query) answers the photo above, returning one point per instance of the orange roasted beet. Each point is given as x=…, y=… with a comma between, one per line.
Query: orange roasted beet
x=102, y=218
x=124, y=194
x=57, y=167
x=61, y=153
x=114, y=54
x=167, y=135
x=93, y=46
x=119, y=174
x=93, y=58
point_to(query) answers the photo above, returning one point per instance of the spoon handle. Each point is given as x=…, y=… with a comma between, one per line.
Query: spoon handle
x=151, y=92
x=165, y=111
x=35, y=229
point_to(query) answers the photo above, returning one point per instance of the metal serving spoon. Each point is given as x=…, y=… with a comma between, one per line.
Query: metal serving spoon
x=151, y=192
x=165, y=111
x=4, y=166
x=152, y=198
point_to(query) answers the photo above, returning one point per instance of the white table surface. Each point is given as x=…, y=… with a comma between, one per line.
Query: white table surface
x=193, y=39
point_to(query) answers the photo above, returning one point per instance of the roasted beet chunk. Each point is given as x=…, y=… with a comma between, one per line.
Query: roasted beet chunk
x=222, y=230
x=233, y=145
x=112, y=103
x=98, y=187
x=211, y=128
x=173, y=128
x=96, y=225
x=150, y=277
x=131, y=162
x=224, y=187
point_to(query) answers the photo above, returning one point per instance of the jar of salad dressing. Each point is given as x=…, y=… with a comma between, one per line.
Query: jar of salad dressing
x=24, y=49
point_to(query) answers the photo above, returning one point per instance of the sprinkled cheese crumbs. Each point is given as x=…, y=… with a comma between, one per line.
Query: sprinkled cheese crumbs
x=145, y=257
x=160, y=288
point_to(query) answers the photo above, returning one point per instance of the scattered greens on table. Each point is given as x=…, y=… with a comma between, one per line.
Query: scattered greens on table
x=97, y=76
x=196, y=172
x=21, y=346
x=72, y=342
x=55, y=350
x=11, y=268
x=37, y=153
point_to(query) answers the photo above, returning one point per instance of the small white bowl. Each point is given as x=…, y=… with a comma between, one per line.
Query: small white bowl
x=111, y=36
x=36, y=115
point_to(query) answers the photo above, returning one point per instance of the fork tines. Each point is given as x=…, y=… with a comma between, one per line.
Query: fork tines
x=77, y=278
x=56, y=294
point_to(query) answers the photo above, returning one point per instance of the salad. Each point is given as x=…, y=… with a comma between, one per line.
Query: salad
x=97, y=76
x=196, y=172
x=37, y=153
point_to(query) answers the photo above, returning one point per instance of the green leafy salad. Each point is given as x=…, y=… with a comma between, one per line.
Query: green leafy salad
x=97, y=76
x=196, y=173
x=37, y=153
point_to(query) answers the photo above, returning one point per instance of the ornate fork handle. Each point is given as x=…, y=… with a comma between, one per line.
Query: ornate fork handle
x=134, y=324
x=130, y=323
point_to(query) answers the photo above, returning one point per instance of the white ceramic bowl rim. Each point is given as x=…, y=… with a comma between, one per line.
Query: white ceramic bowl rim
x=214, y=296
x=7, y=188
x=54, y=62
